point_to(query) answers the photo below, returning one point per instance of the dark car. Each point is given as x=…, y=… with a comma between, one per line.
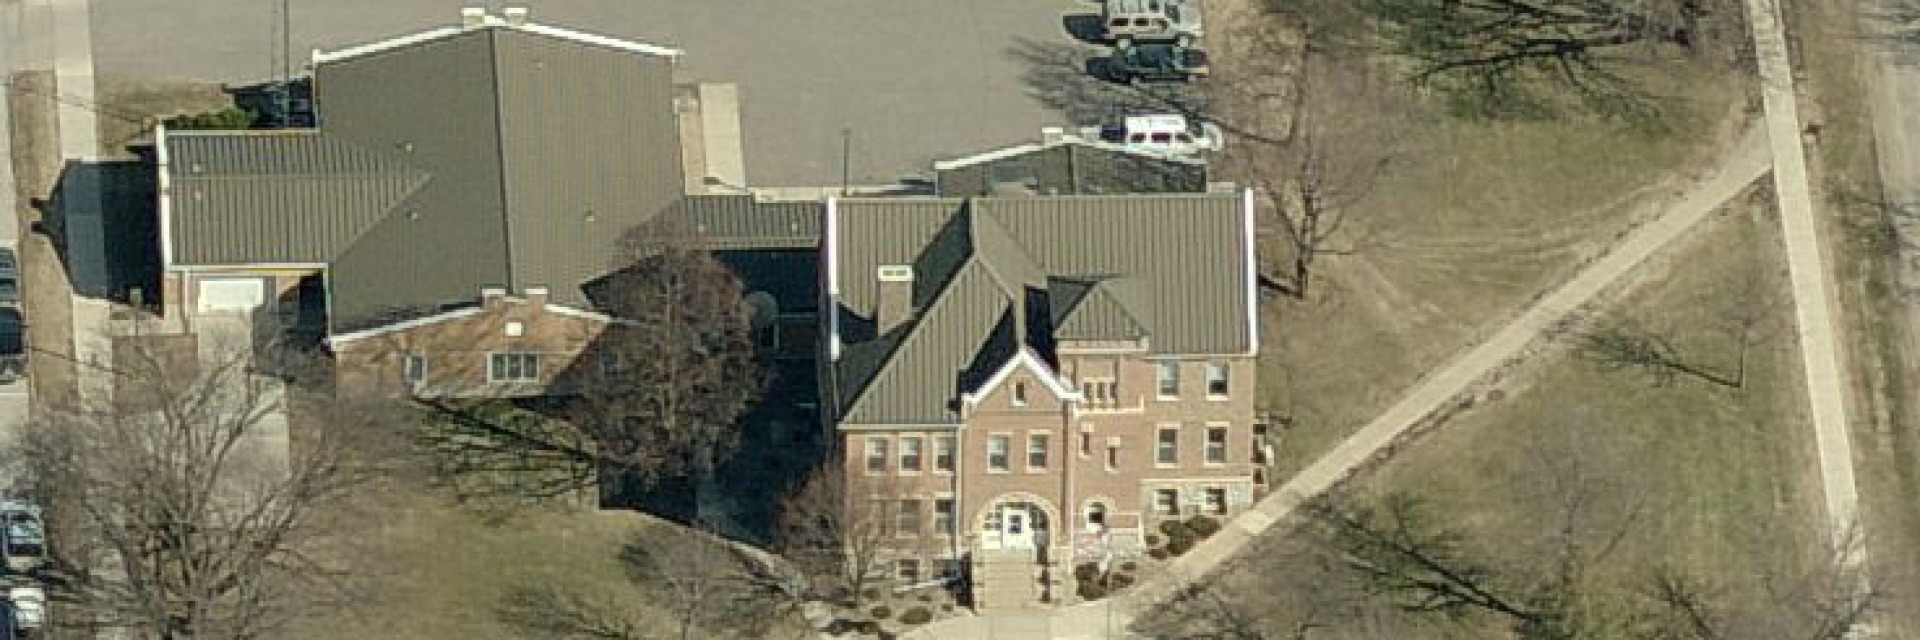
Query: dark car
x=1156, y=62
x=13, y=334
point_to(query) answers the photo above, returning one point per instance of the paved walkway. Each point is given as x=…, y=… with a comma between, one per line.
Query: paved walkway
x=1107, y=619
x=1813, y=298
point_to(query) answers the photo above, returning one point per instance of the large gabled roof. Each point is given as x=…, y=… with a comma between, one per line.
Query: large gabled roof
x=493, y=155
x=995, y=276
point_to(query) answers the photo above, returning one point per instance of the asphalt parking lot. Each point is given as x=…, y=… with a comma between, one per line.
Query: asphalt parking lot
x=913, y=80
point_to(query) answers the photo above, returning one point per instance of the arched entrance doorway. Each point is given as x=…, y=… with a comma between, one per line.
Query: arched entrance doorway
x=1017, y=521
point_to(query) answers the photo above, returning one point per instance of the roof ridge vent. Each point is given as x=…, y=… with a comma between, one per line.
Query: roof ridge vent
x=474, y=17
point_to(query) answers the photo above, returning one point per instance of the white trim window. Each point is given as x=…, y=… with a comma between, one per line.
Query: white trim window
x=943, y=448
x=907, y=570
x=943, y=516
x=910, y=458
x=997, y=446
x=906, y=520
x=1213, y=501
x=1020, y=394
x=1036, y=452
x=1166, y=445
x=1166, y=375
x=878, y=449
x=1218, y=381
x=414, y=368
x=1166, y=502
x=513, y=366
x=1216, y=444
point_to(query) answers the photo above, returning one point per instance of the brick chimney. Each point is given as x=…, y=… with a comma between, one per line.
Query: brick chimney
x=493, y=298
x=895, y=299
x=536, y=297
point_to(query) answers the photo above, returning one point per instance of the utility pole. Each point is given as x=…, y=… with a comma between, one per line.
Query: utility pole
x=846, y=161
x=286, y=63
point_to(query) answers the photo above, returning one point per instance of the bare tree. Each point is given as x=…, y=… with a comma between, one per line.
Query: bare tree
x=554, y=611
x=1495, y=57
x=679, y=371
x=1624, y=346
x=193, y=496
x=836, y=534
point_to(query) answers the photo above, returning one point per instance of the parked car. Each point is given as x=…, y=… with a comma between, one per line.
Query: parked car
x=1175, y=21
x=23, y=535
x=13, y=333
x=28, y=604
x=1156, y=62
x=1169, y=134
x=9, y=278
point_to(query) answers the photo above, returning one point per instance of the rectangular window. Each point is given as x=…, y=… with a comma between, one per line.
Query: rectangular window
x=513, y=367
x=997, y=452
x=1259, y=444
x=1036, y=451
x=1086, y=444
x=908, y=569
x=1167, y=375
x=1217, y=386
x=1166, y=502
x=947, y=568
x=943, y=516
x=1166, y=449
x=1113, y=457
x=906, y=521
x=1019, y=394
x=910, y=454
x=877, y=454
x=1216, y=445
x=1215, y=501
x=943, y=454
x=414, y=369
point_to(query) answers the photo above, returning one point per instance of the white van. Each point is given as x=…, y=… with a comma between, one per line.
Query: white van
x=1165, y=134
x=1176, y=21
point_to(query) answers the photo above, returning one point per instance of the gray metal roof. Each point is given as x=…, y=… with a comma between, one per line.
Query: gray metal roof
x=278, y=197
x=1072, y=167
x=1169, y=267
x=490, y=157
x=744, y=222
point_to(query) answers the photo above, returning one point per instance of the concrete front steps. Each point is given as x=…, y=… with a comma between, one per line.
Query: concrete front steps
x=1007, y=580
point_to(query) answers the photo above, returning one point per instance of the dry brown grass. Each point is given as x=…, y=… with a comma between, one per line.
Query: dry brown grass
x=1473, y=220
x=127, y=108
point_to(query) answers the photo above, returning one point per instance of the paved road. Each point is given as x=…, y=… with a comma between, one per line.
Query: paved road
x=1813, y=296
x=915, y=80
x=1740, y=168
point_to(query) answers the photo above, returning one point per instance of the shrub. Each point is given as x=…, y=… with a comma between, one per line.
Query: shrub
x=924, y=597
x=1174, y=529
x=1158, y=553
x=1087, y=571
x=1153, y=540
x=946, y=607
x=871, y=594
x=881, y=612
x=916, y=616
x=228, y=118
x=867, y=626
x=886, y=635
x=1129, y=566
x=1121, y=581
x=1090, y=591
x=1178, y=546
x=839, y=626
x=1203, y=526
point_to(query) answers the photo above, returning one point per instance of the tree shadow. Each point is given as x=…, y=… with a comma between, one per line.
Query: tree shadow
x=1894, y=26
x=1066, y=78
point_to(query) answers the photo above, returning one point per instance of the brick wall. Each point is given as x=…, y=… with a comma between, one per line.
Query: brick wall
x=458, y=350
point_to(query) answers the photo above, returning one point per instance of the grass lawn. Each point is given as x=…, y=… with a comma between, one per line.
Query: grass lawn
x=1472, y=220
x=430, y=570
x=1721, y=479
